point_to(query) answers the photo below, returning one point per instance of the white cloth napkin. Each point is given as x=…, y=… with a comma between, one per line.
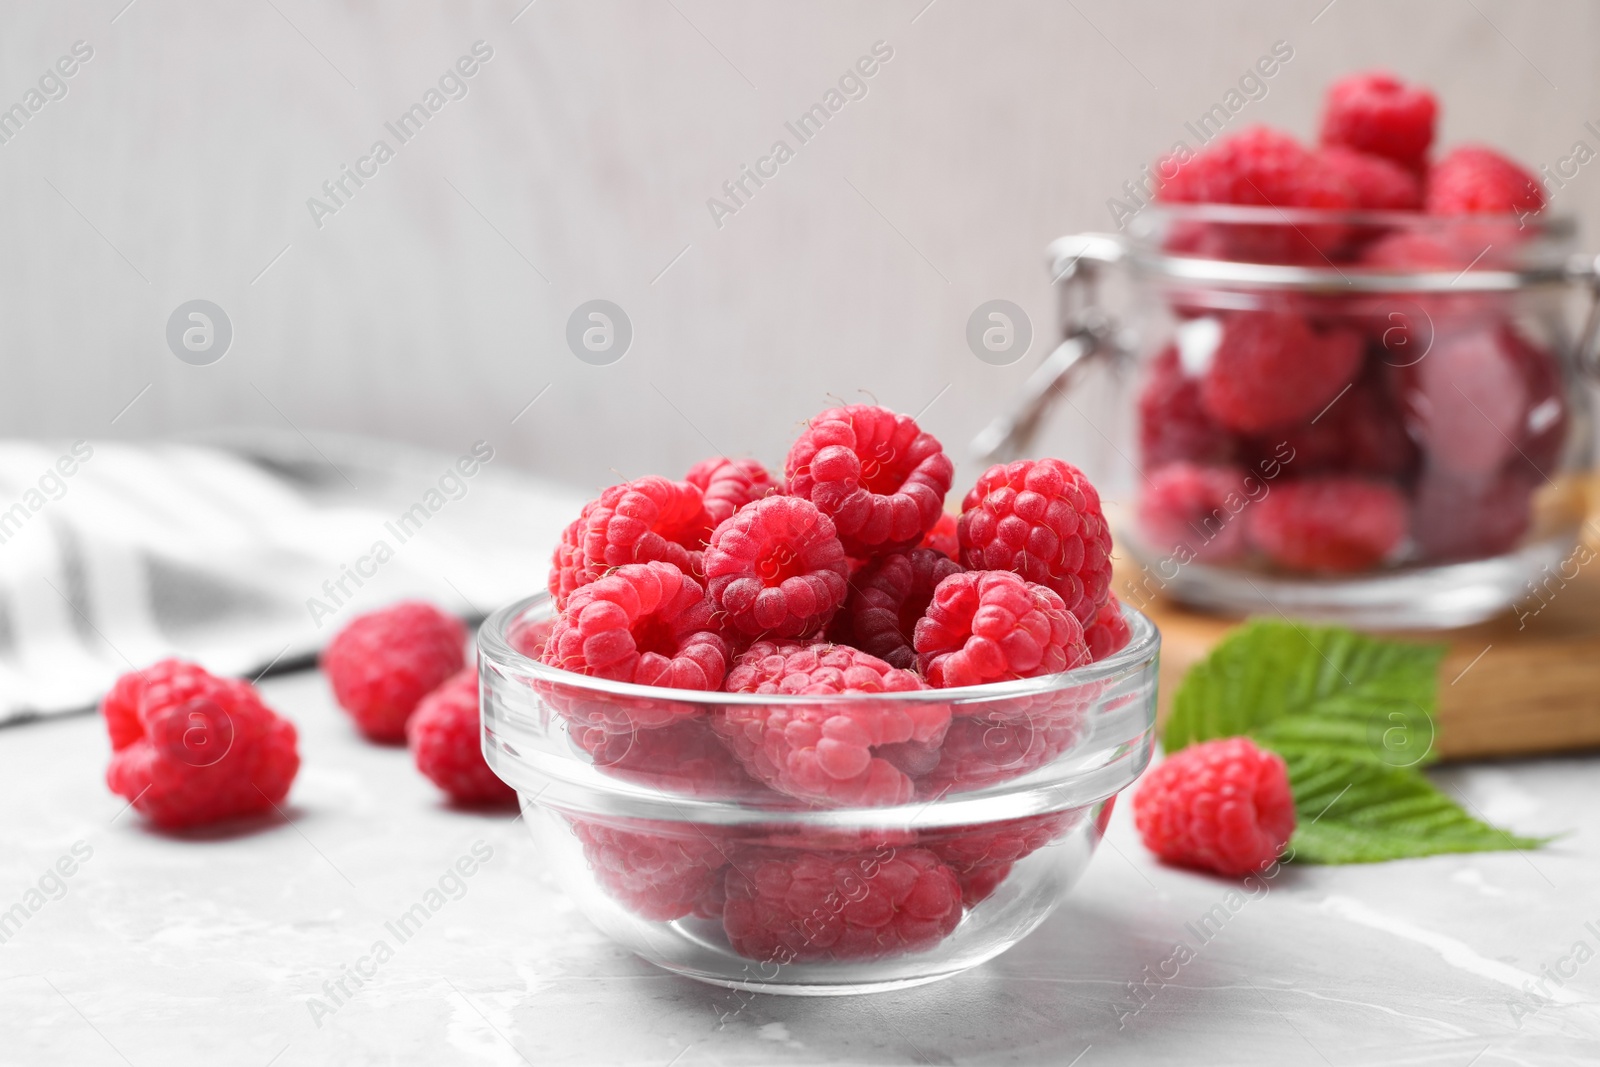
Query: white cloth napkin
x=246, y=555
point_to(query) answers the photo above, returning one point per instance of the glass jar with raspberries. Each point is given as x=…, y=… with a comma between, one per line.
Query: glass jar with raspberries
x=1357, y=394
x=811, y=733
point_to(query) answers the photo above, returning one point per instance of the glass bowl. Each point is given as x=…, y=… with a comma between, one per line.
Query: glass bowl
x=995, y=797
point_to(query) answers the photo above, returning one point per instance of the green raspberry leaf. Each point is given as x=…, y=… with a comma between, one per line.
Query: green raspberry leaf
x=1320, y=690
x=1359, y=811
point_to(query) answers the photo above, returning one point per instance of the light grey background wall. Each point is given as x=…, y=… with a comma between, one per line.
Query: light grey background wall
x=432, y=305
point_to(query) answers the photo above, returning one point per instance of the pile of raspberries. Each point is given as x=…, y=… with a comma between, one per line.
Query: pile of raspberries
x=843, y=576
x=1334, y=434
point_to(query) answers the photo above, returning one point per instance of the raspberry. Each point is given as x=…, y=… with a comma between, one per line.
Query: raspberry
x=1193, y=512
x=1378, y=184
x=1271, y=371
x=645, y=623
x=1544, y=434
x=1173, y=425
x=1362, y=432
x=1042, y=519
x=190, y=748
x=836, y=751
x=1379, y=114
x=651, y=518
x=785, y=906
x=1467, y=401
x=1329, y=524
x=445, y=742
x=1005, y=739
x=683, y=757
x=777, y=568
x=1221, y=806
x=942, y=538
x=877, y=475
x=730, y=484
x=982, y=856
x=1109, y=632
x=992, y=626
x=386, y=661
x=889, y=597
x=659, y=871
x=1261, y=166
x=1455, y=518
x=1474, y=180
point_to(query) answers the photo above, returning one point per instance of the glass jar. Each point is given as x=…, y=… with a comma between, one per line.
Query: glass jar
x=1379, y=419
x=709, y=866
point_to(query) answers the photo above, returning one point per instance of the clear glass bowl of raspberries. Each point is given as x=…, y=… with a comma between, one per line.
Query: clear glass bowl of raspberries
x=1358, y=386
x=787, y=836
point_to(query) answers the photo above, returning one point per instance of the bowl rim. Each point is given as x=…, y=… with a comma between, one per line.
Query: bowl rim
x=1144, y=643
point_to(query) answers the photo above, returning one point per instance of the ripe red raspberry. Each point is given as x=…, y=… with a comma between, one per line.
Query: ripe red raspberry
x=999, y=740
x=446, y=744
x=190, y=748
x=1362, y=432
x=1271, y=371
x=1473, y=180
x=383, y=664
x=1377, y=184
x=877, y=475
x=1221, y=806
x=1040, y=518
x=1329, y=524
x=992, y=626
x=645, y=623
x=1543, y=436
x=942, y=538
x=683, y=757
x=659, y=871
x=1193, y=512
x=833, y=752
x=777, y=568
x=1109, y=632
x=888, y=598
x=981, y=856
x=800, y=907
x=730, y=484
x=1455, y=518
x=1260, y=166
x=651, y=518
x=1377, y=113
x=1466, y=401
x=1173, y=425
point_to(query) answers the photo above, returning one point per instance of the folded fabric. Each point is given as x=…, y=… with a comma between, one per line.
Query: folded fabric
x=245, y=555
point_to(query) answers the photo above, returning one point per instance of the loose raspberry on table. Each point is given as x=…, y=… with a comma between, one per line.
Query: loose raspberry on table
x=888, y=598
x=777, y=568
x=981, y=856
x=1377, y=113
x=1473, y=180
x=1376, y=183
x=877, y=475
x=383, y=664
x=1329, y=524
x=1466, y=401
x=1460, y=518
x=1109, y=632
x=1042, y=519
x=729, y=484
x=659, y=871
x=1194, y=511
x=1271, y=370
x=446, y=743
x=942, y=538
x=835, y=752
x=1173, y=424
x=190, y=748
x=992, y=626
x=650, y=518
x=645, y=623
x=800, y=907
x=683, y=757
x=1221, y=806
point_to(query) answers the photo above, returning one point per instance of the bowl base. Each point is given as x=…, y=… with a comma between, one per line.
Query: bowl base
x=811, y=989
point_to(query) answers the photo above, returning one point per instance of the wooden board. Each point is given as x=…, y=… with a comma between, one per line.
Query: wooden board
x=1511, y=686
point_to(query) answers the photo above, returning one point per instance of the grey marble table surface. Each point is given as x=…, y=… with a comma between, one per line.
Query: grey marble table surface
x=209, y=950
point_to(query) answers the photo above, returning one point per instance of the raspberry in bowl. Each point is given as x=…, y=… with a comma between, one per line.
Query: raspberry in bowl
x=842, y=742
